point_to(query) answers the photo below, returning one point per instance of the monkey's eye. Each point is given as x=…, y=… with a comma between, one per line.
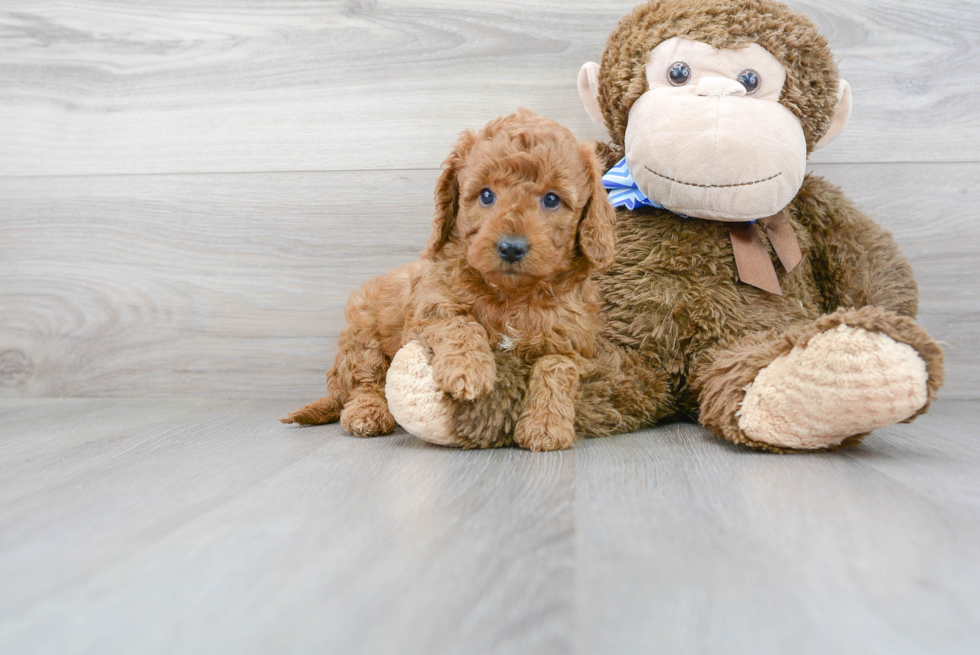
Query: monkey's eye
x=750, y=80
x=487, y=198
x=550, y=201
x=679, y=73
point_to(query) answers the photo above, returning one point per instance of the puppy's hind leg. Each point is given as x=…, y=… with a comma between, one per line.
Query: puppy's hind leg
x=365, y=412
x=356, y=385
x=356, y=380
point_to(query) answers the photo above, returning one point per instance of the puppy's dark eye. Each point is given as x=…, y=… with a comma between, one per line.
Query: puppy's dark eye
x=487, y=197
x=679, y=73
x=550, y=201
x=750, y=80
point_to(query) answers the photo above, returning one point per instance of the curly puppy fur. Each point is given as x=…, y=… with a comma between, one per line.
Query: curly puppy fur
x=464, y=298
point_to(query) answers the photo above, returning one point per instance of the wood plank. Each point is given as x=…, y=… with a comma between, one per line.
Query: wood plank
x=172, y=285
x=234, y=284
x=687, y=544
x=308, y=85
x=921, y=459
x=206, y=526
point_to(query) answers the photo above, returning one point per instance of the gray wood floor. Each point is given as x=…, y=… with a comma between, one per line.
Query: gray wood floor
x=203, y=526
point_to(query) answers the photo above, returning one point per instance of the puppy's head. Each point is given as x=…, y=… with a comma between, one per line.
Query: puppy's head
x=522, y=201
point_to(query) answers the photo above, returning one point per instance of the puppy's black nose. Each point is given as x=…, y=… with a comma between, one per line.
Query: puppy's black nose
x=511, y=248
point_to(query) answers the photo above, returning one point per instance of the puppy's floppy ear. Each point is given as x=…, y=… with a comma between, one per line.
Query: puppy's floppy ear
x=596, y=230
x=447, y=195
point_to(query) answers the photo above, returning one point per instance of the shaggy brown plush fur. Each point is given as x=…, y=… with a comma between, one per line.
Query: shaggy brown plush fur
x=464, y=299
x=676, y=313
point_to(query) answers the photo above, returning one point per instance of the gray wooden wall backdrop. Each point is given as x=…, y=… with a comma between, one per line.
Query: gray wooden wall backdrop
x=189, y=189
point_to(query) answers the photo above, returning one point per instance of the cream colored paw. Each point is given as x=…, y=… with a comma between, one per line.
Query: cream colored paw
x=844, y=382
x=414, y=398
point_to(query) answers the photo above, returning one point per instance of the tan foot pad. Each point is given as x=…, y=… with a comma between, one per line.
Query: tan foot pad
x=844, y=382
x=414, y=399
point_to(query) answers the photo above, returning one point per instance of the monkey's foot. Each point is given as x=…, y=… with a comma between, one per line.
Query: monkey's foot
x=416, y=401
x=843, y=382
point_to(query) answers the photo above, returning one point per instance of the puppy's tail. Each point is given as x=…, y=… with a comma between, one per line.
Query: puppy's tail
x=324, y=410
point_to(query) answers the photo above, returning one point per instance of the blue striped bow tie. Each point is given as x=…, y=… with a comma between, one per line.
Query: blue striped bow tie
x=623, y=190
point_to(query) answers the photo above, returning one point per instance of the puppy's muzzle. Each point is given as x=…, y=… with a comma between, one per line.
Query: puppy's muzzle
x=512, y=248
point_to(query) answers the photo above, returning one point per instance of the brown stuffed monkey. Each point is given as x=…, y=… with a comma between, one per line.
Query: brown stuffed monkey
x=746, y=294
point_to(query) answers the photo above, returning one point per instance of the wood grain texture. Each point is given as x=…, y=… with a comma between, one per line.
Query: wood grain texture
x=234, y=285
x=183, y=285
x=205, y=526
x=311, y=85
x=707, y=548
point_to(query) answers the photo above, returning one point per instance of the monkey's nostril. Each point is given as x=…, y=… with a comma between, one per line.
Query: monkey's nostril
x=512, y=248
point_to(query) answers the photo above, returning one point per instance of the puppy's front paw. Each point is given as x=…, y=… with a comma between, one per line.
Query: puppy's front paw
x=543, y=433
x=466, y=376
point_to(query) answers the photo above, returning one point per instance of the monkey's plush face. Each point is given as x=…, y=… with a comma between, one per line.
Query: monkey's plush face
x=709, y=138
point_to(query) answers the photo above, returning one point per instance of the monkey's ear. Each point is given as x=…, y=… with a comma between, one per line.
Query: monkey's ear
x=840, y=116
x=588, y=88
x=447, y=195
x=597, y=229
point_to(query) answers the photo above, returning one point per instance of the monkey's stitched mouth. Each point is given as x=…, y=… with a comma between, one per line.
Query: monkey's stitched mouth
x=713, y=186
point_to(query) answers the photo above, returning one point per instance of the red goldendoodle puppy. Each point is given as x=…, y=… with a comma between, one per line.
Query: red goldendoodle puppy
x=521, y=221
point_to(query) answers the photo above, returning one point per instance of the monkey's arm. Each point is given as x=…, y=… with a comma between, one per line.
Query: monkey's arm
x=855, y=262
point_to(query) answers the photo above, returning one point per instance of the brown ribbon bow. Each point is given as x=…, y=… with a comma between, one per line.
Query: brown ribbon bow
x=751, y=256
